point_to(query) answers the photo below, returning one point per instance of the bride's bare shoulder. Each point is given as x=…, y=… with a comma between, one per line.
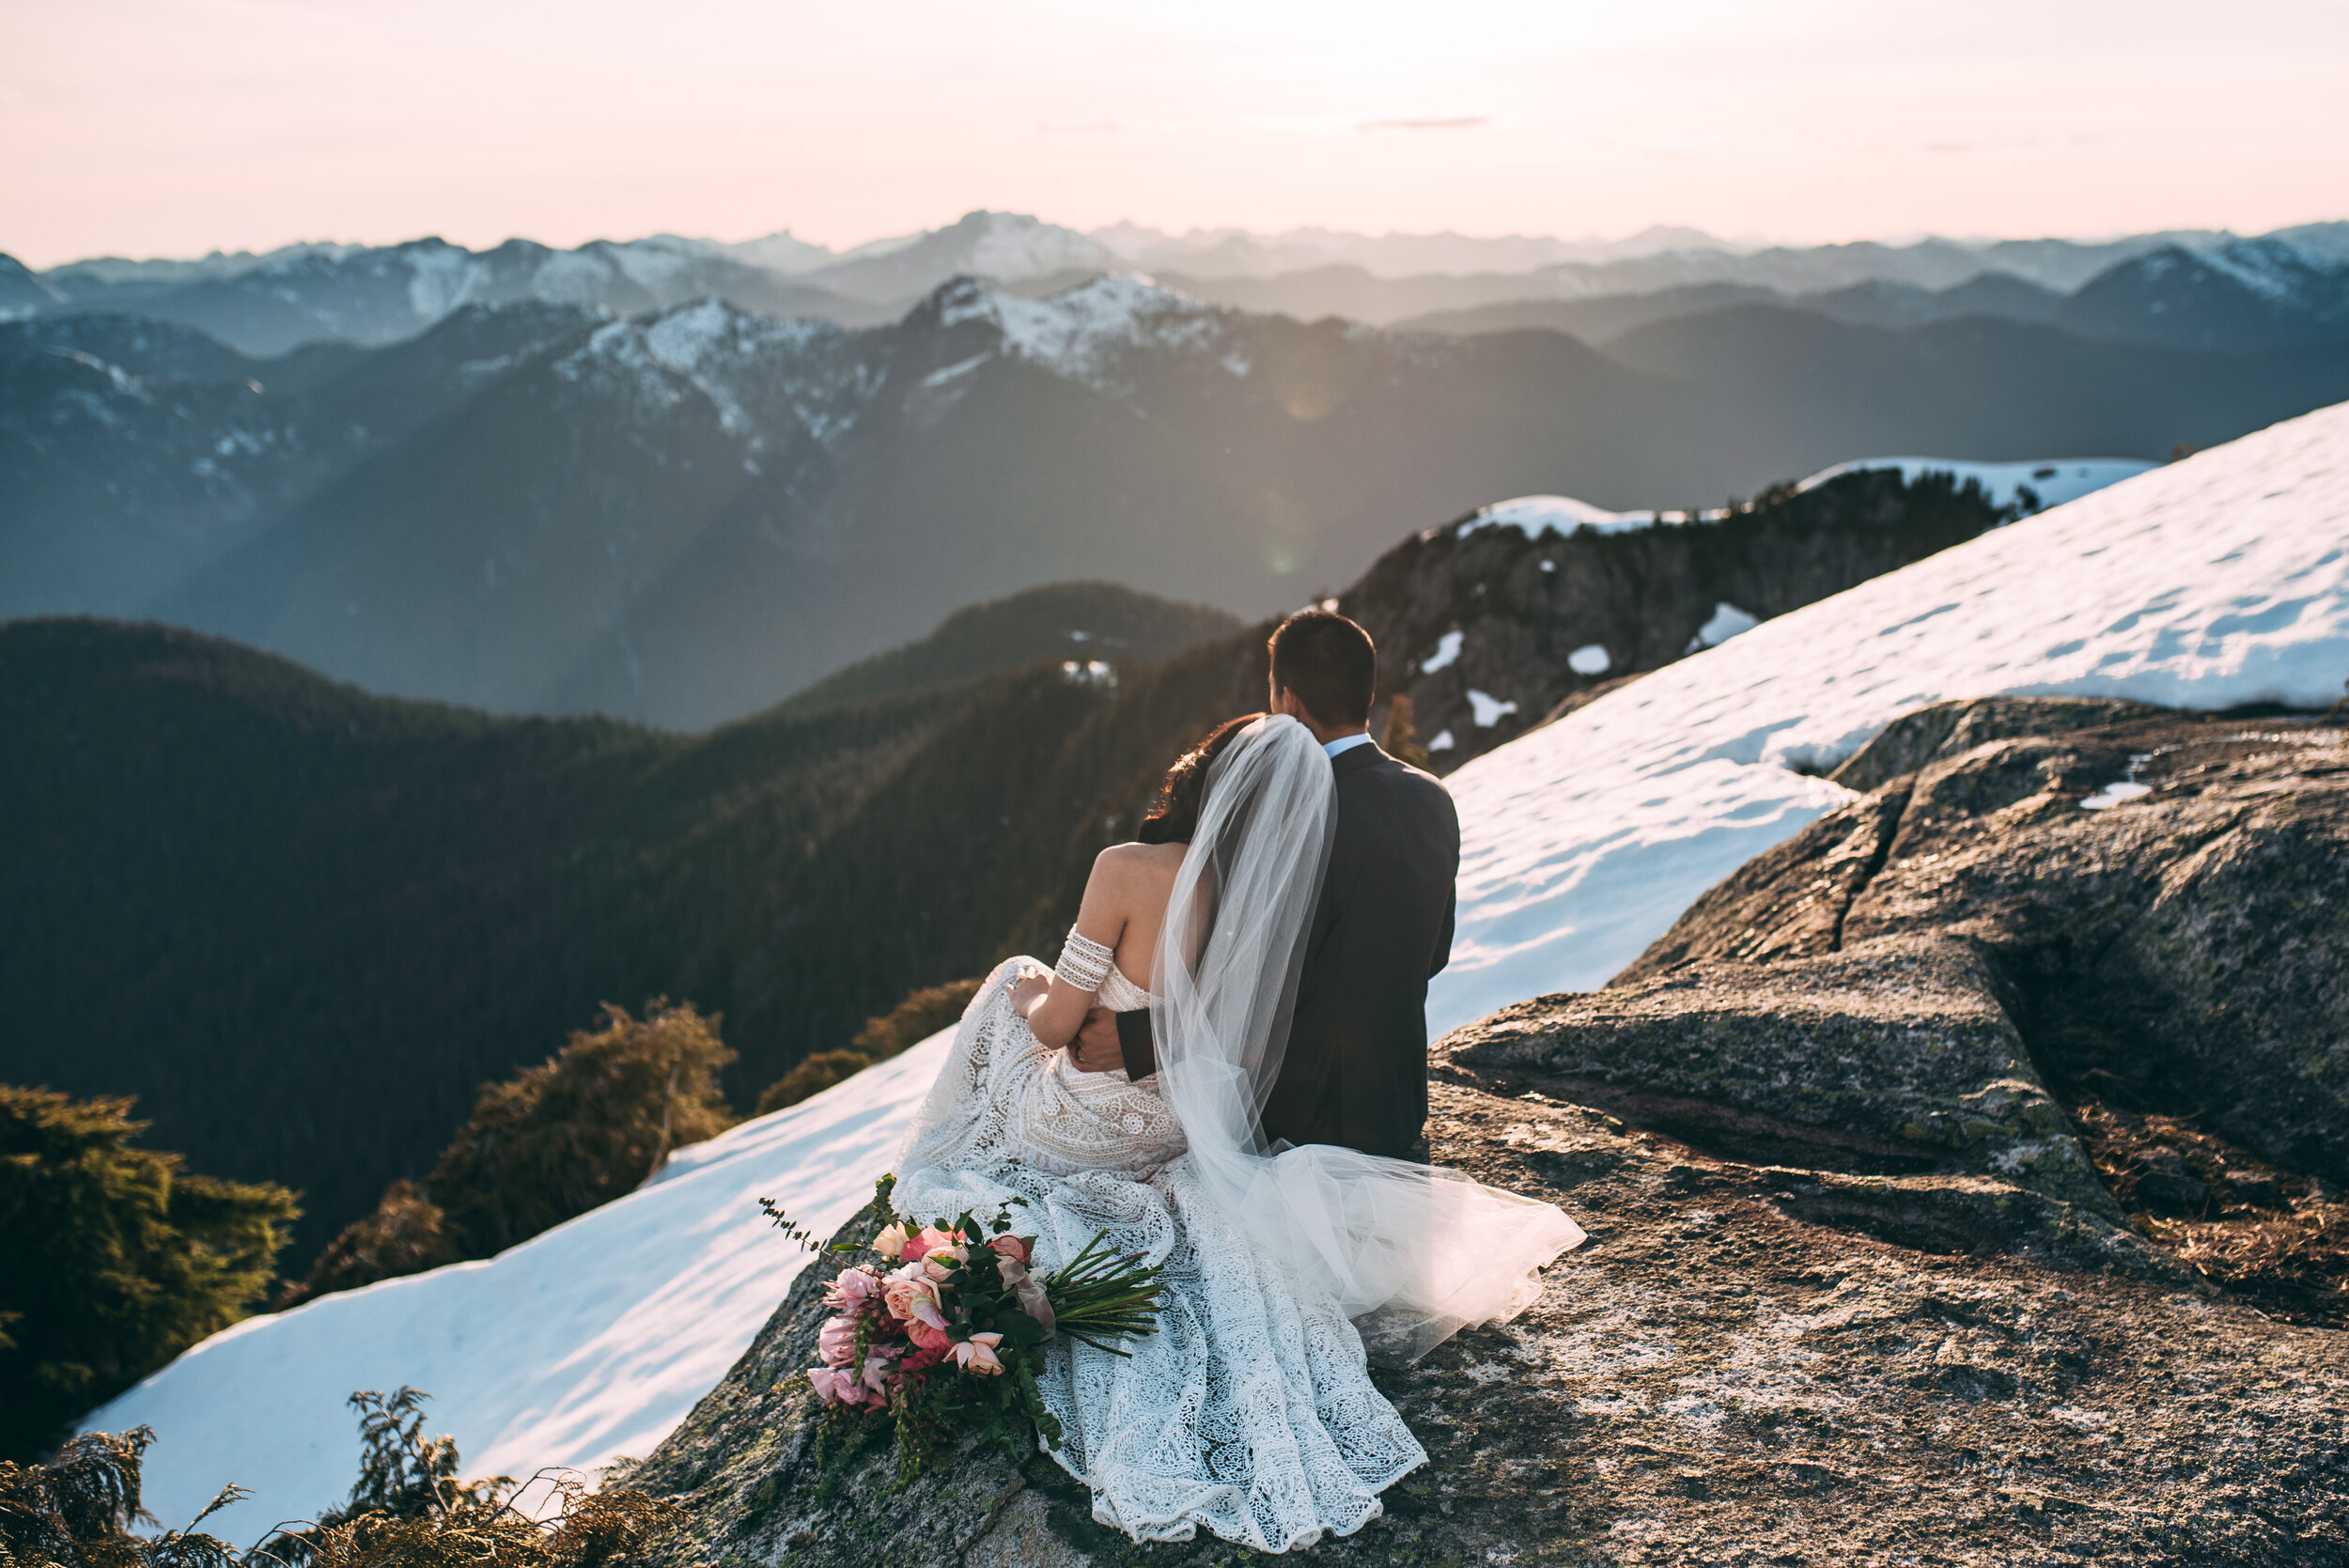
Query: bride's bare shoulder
x=1139, y=866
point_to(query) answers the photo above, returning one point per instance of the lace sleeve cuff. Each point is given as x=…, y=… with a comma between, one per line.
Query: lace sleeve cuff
x=1083, y=962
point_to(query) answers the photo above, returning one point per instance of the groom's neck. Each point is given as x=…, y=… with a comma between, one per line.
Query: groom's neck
x=1285, y=701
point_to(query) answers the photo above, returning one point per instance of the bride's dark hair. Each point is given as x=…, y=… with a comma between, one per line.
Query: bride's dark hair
x=1172, y=814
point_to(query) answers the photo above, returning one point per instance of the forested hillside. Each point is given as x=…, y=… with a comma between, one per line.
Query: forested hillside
x=304, y=923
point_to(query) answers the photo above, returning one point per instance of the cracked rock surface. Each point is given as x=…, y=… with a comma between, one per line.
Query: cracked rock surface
x=1911, y=1160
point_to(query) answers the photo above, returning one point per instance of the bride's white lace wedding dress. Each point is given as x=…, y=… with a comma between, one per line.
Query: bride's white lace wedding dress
x=1251, y=1409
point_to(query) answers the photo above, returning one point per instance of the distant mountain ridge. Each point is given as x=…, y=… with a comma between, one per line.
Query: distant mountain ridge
x=264, y=304
x=677, y=516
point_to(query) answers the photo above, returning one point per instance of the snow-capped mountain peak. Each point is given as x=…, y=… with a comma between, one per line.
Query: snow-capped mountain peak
x=1081, y=333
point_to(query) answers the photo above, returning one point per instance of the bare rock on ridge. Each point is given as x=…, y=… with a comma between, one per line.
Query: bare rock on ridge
x=1874, y=1275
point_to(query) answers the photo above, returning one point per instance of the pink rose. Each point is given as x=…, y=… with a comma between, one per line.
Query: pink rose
x=925, y=1336
x=1033, y=1300
x=976, y=1355
x=835, y=1342
x=930, y=1240
x=914, y=1299
x=834, y=1387
x=937, y=1269
x=1018, y=1248
x=854, y=1291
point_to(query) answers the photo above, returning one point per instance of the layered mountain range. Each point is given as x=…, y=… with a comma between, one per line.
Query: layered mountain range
x=678, y=514
x=265, y=304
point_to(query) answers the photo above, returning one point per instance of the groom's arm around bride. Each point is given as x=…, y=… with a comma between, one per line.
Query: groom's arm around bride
x=1355, y=1071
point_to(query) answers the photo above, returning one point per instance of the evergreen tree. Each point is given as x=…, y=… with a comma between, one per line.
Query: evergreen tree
x=115, y=1258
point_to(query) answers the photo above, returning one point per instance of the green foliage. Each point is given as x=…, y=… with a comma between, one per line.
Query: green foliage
x=921, y=1015
x=115, y=1258
x=409, y=1510
x=306, y=924
x=554, y=1140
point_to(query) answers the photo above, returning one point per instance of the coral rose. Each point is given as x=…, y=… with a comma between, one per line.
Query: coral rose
x=913, y=1298
x=976, y=1355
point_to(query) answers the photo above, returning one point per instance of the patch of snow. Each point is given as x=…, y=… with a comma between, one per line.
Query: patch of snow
x=781, y=252
x=653, y=263
x=2220, y=580
x=572, y=277
x=1531, y=514
x=1728, y=621
x=1074, y=334
x=2114, y=795
x=961, y=368
x=1589, y=660
x=441, y=277
x=1442, y=743
x=1489, y=710
x=1447, y=649
x=2126, y=789
x=2053, y=480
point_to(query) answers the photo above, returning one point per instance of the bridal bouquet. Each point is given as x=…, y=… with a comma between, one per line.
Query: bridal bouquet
x=946, y=1331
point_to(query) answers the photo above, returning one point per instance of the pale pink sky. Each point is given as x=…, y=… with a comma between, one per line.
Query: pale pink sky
x=173, y=127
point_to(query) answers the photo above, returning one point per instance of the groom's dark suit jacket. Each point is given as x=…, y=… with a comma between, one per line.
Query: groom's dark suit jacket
x=1356, y=1069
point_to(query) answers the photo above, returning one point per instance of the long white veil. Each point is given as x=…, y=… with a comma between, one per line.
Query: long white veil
x=1412, y=1252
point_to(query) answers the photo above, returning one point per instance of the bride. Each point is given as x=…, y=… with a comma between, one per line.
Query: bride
x=1250, y=1410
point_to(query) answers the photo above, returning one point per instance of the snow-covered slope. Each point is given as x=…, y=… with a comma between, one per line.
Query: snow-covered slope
x=2053, y=480
x=2217, y=581
x=579, y=1346
x=2220, y=580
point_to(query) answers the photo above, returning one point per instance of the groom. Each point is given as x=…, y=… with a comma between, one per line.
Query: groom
x=1355, y=1071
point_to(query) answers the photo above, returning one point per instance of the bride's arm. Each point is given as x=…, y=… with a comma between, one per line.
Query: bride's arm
x=1058, y=1011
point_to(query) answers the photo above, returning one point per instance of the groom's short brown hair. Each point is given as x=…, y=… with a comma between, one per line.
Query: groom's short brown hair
x=1330, y=662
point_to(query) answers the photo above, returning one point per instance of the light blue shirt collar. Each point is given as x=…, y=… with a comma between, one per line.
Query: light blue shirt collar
x=1346, y=743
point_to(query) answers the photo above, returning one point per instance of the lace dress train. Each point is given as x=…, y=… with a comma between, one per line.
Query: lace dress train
x=1250, y=1411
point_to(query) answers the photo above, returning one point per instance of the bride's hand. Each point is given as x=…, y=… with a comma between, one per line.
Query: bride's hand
x=1027, y=993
